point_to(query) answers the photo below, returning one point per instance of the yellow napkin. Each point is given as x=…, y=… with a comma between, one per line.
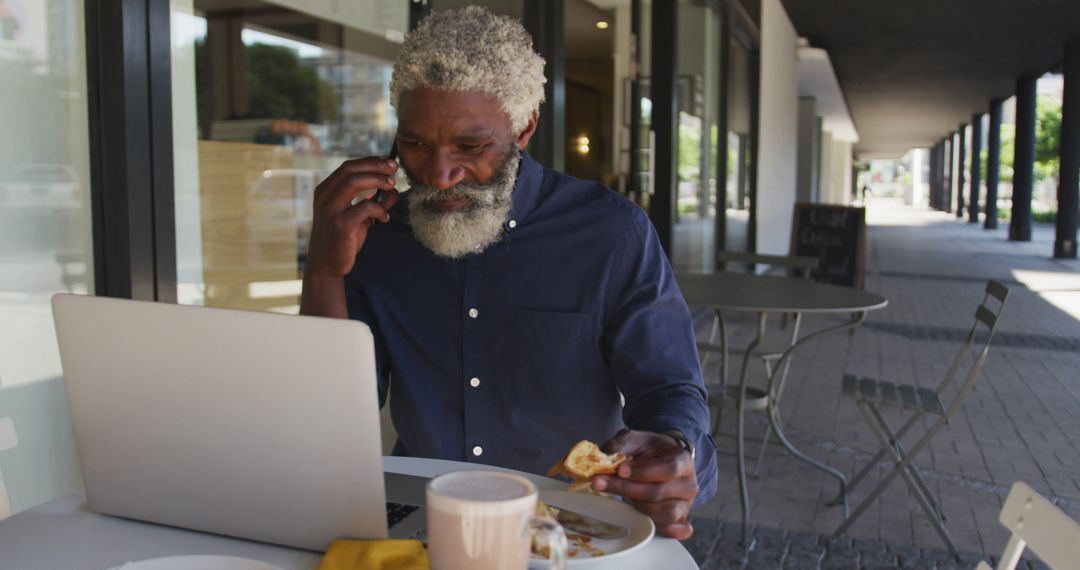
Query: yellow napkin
x=375, y=555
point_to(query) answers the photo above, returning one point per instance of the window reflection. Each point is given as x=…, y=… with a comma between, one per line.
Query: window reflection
x=280, y=98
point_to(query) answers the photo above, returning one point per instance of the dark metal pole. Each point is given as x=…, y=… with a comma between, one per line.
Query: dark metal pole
x=976, y=160
x=418, y=10
x=947, y=173
x=1024, y=163
x=755, y=139
x=545, y=21
x=935, y=176
x=130, y=112
x=940, y=200
x=960, y=156
x=993, y=164
x=723, y=124
x=1068, y=196
x=664, y=118
x=931, y=178
x=633, y=186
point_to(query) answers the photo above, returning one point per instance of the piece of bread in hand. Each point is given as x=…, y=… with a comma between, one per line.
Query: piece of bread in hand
x=584, y=462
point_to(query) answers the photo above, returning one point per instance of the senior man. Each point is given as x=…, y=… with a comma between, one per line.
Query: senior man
x=516, y=310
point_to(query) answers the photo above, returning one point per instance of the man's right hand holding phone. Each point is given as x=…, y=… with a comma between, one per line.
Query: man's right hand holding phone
x=339, y=229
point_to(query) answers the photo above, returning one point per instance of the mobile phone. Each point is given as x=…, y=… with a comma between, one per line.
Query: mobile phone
x=380, y=195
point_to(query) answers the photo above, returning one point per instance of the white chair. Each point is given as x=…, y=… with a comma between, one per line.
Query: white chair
x=45, y=465
x=1040, y=526
x=7, y=441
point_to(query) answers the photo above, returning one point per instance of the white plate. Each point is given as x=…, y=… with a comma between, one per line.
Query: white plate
x=608, y=510
x=197, y=563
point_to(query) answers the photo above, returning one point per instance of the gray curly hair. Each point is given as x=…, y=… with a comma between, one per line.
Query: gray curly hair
x=471, y=49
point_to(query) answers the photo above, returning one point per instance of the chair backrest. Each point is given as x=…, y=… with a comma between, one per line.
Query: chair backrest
x=7, y=441
x=796, y=265
x=1039, y=525
x=44, y=466
x=987, y=318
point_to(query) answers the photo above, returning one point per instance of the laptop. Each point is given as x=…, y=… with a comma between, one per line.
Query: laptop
x=253, y=425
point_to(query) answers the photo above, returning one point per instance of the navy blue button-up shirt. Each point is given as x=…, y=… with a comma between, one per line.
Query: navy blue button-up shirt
x=510, y=356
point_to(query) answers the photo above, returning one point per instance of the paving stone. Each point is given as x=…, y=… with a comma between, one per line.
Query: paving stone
x=838, y=543
x=878, y=559
x=706, y=533
x=936, y=554
x=868, y=546
x=1038, y=565
x=765, y=559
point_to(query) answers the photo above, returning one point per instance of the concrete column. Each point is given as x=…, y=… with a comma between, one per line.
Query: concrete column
x=993, y=164
x=1024, y=163
x=976, y=154
x=960, y=152
x=916, y=197
x=809, y=151
x=1069, y=180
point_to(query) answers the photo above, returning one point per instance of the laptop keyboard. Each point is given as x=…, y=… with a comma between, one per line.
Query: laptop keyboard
x=396, y=512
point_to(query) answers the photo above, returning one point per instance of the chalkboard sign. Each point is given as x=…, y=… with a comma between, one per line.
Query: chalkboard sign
x=837, y=236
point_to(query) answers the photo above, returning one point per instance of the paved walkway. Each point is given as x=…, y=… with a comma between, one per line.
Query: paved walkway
x=1021, y=421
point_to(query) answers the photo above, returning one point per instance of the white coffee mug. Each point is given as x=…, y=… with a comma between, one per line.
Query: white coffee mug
x=484, y=520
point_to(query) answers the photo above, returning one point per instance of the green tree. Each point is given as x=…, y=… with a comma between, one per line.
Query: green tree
x=1047, y=143
x=280, y=88
x=1047, y=138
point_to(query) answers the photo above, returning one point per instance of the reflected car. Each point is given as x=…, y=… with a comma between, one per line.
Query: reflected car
x=41, y=186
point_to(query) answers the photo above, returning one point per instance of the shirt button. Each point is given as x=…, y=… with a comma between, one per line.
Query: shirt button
x=477, y=450
x=474, y=313
x=474, y=382
x=512, y=224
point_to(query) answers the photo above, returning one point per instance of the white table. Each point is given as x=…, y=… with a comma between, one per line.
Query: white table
x=66, y=535
x=761, y=294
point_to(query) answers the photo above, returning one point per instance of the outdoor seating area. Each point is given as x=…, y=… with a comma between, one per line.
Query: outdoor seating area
x=539, y=284
x=1016, y=423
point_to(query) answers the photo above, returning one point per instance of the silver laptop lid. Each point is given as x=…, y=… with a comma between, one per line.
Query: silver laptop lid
x=254, y=425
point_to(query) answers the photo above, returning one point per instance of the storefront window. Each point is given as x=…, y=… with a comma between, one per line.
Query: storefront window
x=698, y=89
x=45, y=238
x=268, y=100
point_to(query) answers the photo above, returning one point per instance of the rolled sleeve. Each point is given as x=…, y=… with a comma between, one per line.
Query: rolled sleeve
x=652, y=351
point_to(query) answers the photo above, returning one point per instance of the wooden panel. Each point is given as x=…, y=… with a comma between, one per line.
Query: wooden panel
x=251, y=228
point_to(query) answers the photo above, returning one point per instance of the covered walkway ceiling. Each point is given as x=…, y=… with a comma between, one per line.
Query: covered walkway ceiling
x=912, y=71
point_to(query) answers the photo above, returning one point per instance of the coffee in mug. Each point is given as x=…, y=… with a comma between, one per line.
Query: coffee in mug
x=483, y=520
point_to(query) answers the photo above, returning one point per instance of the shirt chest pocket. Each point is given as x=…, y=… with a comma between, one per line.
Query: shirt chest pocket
x=548, y=328
x=550, y=352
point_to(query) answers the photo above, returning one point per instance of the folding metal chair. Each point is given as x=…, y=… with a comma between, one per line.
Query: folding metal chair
x=870, y=395
x=1040, y=526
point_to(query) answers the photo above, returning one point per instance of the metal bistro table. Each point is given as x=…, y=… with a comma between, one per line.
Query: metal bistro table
x=66, y=534
x=762, y=295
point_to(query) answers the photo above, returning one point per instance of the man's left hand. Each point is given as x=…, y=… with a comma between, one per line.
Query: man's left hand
x=658, y=480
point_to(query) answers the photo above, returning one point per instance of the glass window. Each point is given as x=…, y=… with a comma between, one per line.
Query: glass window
x=698, y=89
x=268, y=99
x=739, y=147
x=590, y=35
x=45, y=239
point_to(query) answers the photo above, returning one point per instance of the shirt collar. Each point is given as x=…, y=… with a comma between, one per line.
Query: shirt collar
x=527, y=188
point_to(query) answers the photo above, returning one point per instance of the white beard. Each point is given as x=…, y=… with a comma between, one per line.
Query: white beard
x=473, y=229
